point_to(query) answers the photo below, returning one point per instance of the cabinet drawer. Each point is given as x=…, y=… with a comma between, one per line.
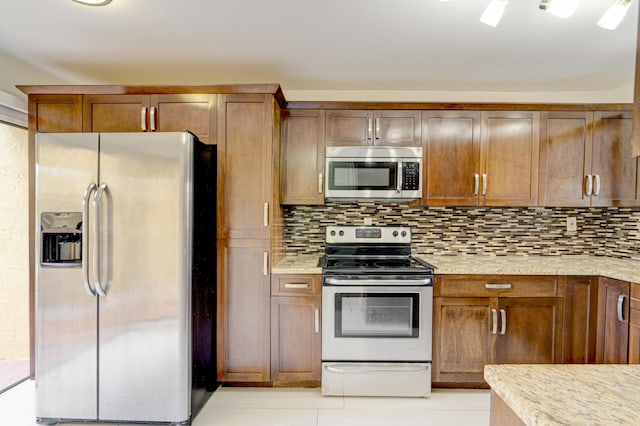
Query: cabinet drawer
x=295, y=285
x=496, y=285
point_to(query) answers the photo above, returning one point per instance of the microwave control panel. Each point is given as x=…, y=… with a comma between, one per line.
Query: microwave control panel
x=410, y=176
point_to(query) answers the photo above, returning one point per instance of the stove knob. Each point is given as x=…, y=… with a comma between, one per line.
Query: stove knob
x=341, y=233
x=333, y=233
x=404, y=233
x=395, y=233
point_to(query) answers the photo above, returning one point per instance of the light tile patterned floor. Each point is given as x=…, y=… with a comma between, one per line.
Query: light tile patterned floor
x=301, y=407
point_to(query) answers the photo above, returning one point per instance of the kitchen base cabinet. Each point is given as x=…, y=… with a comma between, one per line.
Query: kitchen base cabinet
x=580, y=316
x=295, y=330
x=612, y=344
x=634, y=325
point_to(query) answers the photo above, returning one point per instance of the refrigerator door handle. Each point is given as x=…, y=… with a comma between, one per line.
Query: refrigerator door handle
x=85, y=239
x=97, y=244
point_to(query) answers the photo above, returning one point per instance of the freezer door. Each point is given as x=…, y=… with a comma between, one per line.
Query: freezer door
x=145, y=261
x=66, y=314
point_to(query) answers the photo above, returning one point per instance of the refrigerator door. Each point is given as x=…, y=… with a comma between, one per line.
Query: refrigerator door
x=145, y=270
x=66, y=313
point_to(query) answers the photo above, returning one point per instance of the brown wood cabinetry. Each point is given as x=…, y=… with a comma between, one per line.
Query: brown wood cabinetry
x=580, y=316
x=585, y=159
x=152, y=113
x=612, y=344
x=295, y=330
x=373, y=127
x=634, y=325
x=488, y=319
x=302, y=158
x=487, y=158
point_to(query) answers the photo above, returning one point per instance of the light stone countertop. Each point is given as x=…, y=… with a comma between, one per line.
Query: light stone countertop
x=595, y=394
x=621, y=269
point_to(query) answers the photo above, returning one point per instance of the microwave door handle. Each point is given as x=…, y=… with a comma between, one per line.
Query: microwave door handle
x=399, y=179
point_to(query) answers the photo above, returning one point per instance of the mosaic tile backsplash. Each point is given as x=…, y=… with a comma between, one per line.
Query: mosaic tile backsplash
x=477, y=230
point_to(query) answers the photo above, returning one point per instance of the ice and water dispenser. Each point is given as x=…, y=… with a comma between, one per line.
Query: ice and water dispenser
x=61, y=238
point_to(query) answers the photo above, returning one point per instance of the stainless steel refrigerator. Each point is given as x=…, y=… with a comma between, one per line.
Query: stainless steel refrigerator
x=125, y=277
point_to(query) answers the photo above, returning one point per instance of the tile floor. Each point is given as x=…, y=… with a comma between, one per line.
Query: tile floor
x=301, y=407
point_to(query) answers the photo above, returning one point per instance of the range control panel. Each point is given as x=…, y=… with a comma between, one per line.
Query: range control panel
x=368, y=234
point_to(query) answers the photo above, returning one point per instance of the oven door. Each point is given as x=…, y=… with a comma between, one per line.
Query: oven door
x=376, y=323
x=363, y=178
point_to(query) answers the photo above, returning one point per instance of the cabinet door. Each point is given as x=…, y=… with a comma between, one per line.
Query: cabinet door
x=193, y=112
x=634, y=325
x=451, y=143
x=615, y=171
x=565, y=158
x=580, y=316
x=115, y=113
x=349, y=127
x=243, y=311
x=245, y=166
x=613, y=321
x=462, y=339
x=302, y=158
x=509, y=158
x=295, y=339
x=397, y=128
x=529, y=330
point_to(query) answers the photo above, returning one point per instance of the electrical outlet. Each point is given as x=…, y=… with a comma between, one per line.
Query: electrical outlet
x=572, y=226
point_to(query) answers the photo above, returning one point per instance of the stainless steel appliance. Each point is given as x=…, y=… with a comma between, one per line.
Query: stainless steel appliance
x=125, y=277
x=376, y=314
x=373, y=172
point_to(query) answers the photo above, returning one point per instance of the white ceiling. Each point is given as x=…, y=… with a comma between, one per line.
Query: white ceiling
x=322, y=45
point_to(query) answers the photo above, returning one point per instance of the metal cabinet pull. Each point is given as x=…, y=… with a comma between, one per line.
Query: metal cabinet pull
x=377, y=128
x=476, y=183
x=266, y=214
x=296, y=285
x=85, y=239
x=484, y=184
x=265, y=264
x=620, y=305
x=317, y=321
x=497, y=286
x=503, y=318
x=152, y=118
x=589, y=185
x=596, y=186
x=320, y=182
x=494, y=325
x=143, y=119
x=369, y=129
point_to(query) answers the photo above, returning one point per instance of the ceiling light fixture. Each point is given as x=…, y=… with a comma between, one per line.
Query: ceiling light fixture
x=93, y=2
x=613, y=16
x=493, y=13
x=561, y=8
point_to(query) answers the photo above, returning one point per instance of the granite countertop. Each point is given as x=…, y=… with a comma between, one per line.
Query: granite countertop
x=621, y=269
x=569, y=394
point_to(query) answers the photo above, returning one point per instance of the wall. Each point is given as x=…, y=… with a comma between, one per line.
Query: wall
x=14, y=253
x=477, y=230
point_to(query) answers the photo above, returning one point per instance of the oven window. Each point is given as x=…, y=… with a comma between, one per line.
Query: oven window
x=346, y=175
x=377, y=314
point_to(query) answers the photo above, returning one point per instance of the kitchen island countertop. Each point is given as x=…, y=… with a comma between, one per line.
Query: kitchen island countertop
x=543, y=395
x=621, y=269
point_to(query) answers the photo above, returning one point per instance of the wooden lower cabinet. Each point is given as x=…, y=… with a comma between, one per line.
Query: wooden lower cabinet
x=295, y=330
x=612, y=345
x=634, y=325
x=580, y=316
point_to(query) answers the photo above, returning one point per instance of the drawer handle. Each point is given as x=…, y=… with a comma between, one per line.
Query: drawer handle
x=296, y=285
x=497, y=286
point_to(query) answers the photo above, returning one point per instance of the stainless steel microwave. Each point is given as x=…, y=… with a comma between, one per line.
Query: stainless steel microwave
x=373, y=172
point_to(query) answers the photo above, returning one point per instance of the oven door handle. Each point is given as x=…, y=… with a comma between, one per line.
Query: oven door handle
x=338, y=281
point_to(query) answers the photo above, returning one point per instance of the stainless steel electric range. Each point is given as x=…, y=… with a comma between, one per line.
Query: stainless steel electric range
x=376, y=313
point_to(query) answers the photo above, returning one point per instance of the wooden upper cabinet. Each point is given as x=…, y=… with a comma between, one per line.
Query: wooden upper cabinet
x=614, y=171
x=451, y=145
x=245, y=172
x=613, y=321
x=302, y=157
x=373, y=127
x=55, y=113
x=509, y=158
x=152, y=113
x=565, y=158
